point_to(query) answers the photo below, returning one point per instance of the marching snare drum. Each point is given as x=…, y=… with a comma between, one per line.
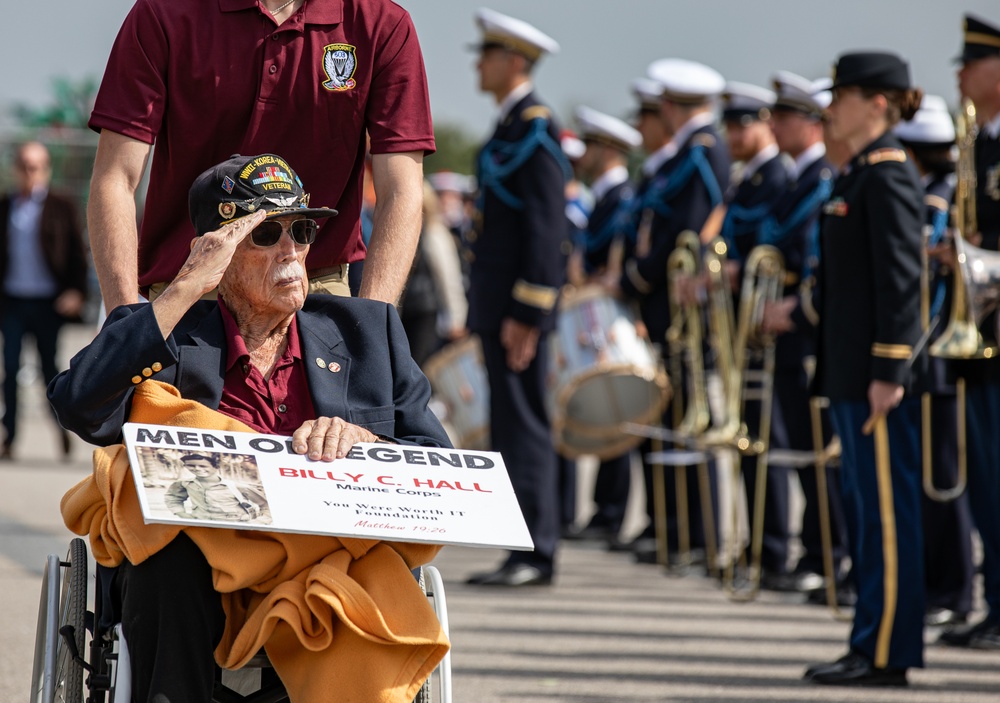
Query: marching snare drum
x=603, y=374
x=458, y=379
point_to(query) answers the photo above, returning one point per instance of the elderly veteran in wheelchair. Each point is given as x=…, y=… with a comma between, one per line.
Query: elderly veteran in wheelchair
x=341, y=619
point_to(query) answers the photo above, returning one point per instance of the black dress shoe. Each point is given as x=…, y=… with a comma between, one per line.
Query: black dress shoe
x=512, y=575
x=854, y=669
x=846, y=596
x=944, y=617
x=590, y=533
x=982, y=635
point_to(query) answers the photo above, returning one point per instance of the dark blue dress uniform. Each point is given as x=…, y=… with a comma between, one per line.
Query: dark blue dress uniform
x=982, y=42
x=947, y=526
x=793, y=227
x=678, y=197
x=869, y=323
x=518, y=267
x=748, y=204
x=613, y=481
x=983, y=399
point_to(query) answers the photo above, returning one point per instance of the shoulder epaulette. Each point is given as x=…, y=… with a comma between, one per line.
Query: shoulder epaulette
x=536, y=112
x=880, y=155
x=705, y=140
x=936, y=202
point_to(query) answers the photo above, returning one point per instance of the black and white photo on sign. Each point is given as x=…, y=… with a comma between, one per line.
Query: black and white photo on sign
x=203, y=485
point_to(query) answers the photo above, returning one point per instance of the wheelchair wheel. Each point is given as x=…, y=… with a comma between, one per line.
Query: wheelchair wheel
x=73, y=613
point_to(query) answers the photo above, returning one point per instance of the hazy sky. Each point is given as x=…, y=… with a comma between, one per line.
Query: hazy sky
x=604, y=44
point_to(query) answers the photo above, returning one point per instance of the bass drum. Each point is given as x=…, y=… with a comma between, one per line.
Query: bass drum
x=458, y=379
x=603, y=374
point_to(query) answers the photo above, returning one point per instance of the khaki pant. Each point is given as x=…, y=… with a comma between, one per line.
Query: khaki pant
x=329, y=281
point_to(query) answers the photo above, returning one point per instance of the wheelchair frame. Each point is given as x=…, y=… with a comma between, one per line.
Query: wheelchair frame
x=60, y=674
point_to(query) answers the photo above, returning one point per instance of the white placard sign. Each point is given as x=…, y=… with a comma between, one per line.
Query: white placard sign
x=208, y=478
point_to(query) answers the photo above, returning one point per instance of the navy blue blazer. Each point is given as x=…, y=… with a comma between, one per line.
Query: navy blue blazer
x=379, y=386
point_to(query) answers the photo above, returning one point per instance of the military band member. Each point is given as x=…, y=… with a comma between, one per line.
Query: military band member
x=929, y=139
x=869, y=323
x=746, y=111
x=793, y=227
x=658, y=147
x=518, y=268
x=604, y=165
x=679, y=196
x=979, y=80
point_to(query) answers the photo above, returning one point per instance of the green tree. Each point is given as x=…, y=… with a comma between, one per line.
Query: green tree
x=456, y=150
x=70, y=108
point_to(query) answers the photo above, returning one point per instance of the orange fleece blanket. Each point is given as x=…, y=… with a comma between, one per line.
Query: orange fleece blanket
x=341, y=619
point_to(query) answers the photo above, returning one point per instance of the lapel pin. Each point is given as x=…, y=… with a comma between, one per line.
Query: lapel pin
x=334, y=366
x=320, y=363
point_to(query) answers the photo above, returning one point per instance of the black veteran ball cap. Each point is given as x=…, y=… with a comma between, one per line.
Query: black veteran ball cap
x=242, y=185
x=872, y=69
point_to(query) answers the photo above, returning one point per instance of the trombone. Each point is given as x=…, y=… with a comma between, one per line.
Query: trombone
x=684, y=339
x=763, y=284
x=972, y=294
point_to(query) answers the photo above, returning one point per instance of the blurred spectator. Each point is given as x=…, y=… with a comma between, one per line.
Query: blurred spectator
x=433, y=308
x=44, y=275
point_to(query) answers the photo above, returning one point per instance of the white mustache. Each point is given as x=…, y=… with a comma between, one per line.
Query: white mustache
x=287, y=271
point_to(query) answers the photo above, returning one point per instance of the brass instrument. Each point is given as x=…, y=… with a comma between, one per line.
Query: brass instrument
x=962, y=338
x=763, y=284
x=728, y=354
x=684, y=339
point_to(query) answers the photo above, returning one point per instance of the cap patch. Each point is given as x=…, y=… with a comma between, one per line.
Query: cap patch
x=268, y=173
x=228, y=184
x=339, y=62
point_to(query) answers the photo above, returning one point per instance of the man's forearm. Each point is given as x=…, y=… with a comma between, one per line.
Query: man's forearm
x=118, y=169
x=113, y=242
x=398, y=180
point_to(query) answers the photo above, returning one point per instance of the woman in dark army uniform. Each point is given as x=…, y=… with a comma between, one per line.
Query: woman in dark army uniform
x=869, y=286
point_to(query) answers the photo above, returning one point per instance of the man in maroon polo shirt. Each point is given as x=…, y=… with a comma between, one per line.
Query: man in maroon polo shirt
x=304, y=79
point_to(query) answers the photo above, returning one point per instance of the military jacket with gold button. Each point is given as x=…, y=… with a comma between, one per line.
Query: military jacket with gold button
x=870, y=239
x=521, y=238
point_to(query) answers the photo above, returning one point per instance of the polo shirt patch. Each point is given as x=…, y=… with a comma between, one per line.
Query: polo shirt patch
x=339, y=62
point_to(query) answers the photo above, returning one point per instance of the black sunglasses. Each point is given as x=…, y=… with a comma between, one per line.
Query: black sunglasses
x=267, y=233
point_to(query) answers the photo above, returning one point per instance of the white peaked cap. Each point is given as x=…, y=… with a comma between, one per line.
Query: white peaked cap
x=798, y=93
x=451, y=181
x=515, y=34
x=686, y=81
x=607, y=129
x=648, y=91
x=746, y=99
x=932, y=124
x=572, y=146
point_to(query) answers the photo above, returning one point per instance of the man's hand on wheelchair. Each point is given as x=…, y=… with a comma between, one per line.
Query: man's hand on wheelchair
x=328, y=438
